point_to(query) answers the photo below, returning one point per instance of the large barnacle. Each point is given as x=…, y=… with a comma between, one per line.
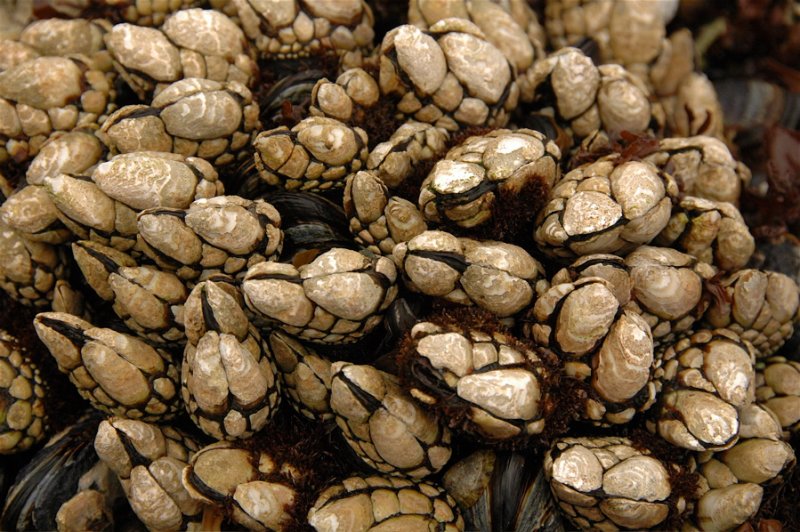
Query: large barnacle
x=229, y=384
x=610, y=483
x=225, y=234
x=484, y=381
x=449, y=75
x=337, y=298
x=599, y=341
x=608, y=206
x=117, y=373
x=46, y=95
x=487, y=176
x=499, y=277
x=384, y=425
x=193, y=43
x=664, y=286
x=194, y=117
x=703, y=379
x=148, y=460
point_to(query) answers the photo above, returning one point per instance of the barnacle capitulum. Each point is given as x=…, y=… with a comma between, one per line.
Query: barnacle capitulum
x=46, y=95
x=361, y=503
x=117, y=373
x=759, y=456
x=30, y=210
x=512, y=27
x=667, y=289
x=337, y=298
x=466, y=79
x=148, y=460
x=348, y=98
x=65, y=37
x=476, y=180
x=587, y=98
x=599, y=341
x=224, y=234
x=483, y=381
x=712, y=231
x=408, y=149
x=316, y=154
x=192, y=43
x=104, y=207
x=305, y=376
x=628, y=204
x=29, y=269
x=23, y=415
x=296, y=29
x=194, y=117
x=703, y=378
x=229, y=384
x=379, y=220
x=258, y=489
x=499, y=277
x=778, y=389
x=610, y=483
x=761, y=306
x=704, y=166
x=384, y=425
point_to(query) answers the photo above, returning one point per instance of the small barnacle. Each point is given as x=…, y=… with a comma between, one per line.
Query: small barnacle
x=316, y=154
x=23, y=415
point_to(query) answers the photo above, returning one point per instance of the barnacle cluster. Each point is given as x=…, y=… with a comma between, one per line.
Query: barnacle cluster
x=483, y=270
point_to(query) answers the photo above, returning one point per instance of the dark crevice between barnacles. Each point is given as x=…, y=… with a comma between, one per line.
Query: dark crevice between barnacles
x=12, y=177
x=62, y=402
x=311, y=223
x=630, y=147
x=286, y=102
x=547, y=126
x=780, y=499
x=562, y=396
x=388, y=15
x=126, y=95
x=779, y=209
x=290, y=81
x=52, y=476
x=382, y=119
x=513, y=214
